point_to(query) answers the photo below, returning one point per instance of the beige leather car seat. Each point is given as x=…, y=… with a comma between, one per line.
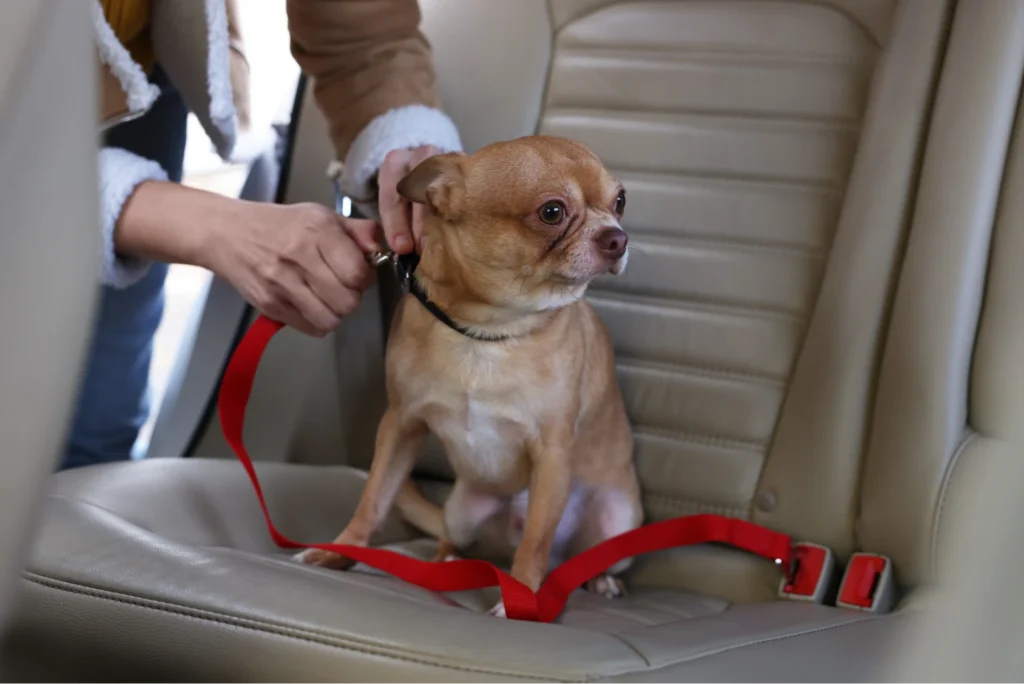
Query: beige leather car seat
x=971, y=631
x=49, y=251
x=817, y=332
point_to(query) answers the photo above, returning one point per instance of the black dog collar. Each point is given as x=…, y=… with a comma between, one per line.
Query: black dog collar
x=405, y=269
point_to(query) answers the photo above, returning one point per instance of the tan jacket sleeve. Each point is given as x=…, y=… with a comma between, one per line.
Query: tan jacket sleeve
x=373, y=79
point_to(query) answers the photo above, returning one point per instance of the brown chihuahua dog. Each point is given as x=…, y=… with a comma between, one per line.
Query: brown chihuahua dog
x=503, y=361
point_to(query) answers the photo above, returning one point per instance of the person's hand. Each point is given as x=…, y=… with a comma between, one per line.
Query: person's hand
x=302, y=264
x=402, y=220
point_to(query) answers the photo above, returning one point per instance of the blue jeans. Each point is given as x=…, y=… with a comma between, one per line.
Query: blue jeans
x=114, y=403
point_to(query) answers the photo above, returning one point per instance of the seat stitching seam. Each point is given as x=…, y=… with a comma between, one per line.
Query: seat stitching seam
x=756, y=642
x=780, y=57
x=696, y=304
x=299, y=635
x=947, y=478
x=701, y=439
x=99, y=507
x=623, y=613
x=256, y=625
x=735, y=244
x=680, y=306
x=634, y=649
x=685, y=502
x=705, y=371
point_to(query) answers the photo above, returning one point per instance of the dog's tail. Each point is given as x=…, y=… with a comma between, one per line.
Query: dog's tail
x=419, y=511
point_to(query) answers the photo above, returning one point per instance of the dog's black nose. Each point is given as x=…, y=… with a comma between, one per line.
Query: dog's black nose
x=612, y=242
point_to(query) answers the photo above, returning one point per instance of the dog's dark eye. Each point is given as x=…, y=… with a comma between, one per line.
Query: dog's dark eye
x=552, y=213
x=620, y=203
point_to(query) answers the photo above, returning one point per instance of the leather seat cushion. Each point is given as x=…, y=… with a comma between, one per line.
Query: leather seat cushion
x=164, y=568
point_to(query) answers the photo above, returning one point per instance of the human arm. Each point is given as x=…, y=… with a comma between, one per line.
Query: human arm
x=375, y=82
x=300, y=264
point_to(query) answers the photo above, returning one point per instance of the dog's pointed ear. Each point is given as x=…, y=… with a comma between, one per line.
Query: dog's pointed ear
x=436, y=182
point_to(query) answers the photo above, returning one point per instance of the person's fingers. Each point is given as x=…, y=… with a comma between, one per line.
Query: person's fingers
x=394, y=212
x=293, y=319
x=338, y=297
x=281, y=311
x=419, y=213
x=293, y=288
x=365, y=233
x=346, y=261
x=423, y=153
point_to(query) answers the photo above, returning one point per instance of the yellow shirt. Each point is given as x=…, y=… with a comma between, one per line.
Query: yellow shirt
x=130, y=21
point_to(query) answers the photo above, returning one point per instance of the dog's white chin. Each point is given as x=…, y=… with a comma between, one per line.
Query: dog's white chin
x=559, y=297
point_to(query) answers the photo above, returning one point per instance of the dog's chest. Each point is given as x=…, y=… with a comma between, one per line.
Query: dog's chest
x=483, y=414
x=483, y=440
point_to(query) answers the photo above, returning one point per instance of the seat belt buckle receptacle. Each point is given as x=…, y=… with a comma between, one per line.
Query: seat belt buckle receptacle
x=868, y=584
x=809, y=577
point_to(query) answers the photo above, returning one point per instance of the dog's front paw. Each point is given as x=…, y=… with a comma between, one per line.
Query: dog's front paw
x=607, y=586
x=498, y=610
x=324, y=559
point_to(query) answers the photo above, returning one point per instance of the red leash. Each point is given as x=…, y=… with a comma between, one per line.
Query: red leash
x=461, y=575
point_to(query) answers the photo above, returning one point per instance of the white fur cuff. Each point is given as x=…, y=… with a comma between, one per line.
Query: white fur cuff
x=218, y=78
x=120, y=173
x=141, y=94
x=401, y=128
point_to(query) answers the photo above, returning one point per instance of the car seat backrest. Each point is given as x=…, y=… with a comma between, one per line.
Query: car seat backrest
x=951, y=391
x=770, y=151
x=48, y=247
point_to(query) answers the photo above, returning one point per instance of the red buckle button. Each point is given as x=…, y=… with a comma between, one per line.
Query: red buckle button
x=810, y=574
x=868, y=584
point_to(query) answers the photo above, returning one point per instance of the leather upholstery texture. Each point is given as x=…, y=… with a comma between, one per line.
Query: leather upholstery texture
x=49, y=250
x=818, y=331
